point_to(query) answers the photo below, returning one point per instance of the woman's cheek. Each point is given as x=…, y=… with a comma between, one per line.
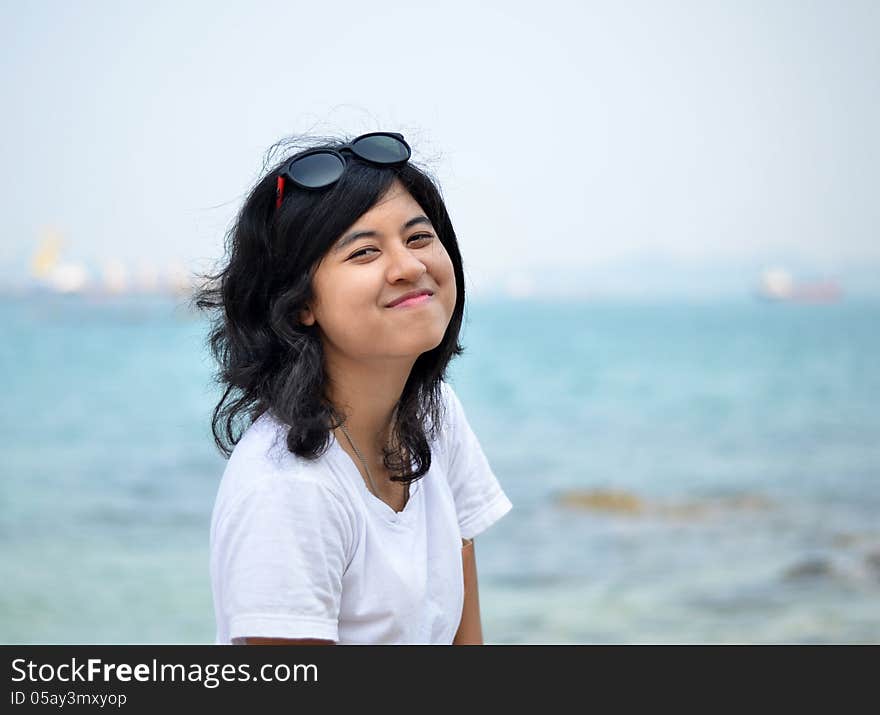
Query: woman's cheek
x=450, y=278
x=449, y=291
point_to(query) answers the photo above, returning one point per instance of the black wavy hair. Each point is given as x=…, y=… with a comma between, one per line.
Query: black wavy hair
x=269, y=360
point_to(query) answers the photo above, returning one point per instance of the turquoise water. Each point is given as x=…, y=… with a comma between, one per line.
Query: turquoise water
x=737, y=445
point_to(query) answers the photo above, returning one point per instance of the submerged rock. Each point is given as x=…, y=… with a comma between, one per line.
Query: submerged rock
x=815, y=567
x=855, y=538
x=627, y=503
x=872, y=561
x=603, y=500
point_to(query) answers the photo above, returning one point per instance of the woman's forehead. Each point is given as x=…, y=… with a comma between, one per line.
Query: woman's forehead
x=395, y=207
x=395, y=198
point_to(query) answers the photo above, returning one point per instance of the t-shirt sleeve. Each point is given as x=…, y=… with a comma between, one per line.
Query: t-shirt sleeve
x=479, y=499
x=279, y=555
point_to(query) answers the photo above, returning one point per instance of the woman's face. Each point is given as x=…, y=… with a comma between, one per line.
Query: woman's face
x=357, y=279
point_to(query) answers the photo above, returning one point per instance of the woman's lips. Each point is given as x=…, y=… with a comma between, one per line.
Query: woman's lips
x=417, y=300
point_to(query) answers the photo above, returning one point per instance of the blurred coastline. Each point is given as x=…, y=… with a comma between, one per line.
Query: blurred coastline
x=56, y=266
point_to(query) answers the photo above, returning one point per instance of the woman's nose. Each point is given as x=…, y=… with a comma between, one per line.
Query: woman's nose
x=405, y=264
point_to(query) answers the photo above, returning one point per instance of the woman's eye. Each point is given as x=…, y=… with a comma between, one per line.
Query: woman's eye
x=363, y=251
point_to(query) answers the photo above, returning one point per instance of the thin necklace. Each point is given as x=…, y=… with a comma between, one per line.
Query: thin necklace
x=364, y=462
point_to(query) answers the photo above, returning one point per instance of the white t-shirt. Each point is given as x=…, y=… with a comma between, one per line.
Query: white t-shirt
x=303, y=549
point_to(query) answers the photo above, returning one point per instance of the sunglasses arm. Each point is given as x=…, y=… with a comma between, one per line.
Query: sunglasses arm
x=279, y=192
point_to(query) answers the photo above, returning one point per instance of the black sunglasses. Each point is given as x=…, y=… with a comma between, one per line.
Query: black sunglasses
x=319, y=168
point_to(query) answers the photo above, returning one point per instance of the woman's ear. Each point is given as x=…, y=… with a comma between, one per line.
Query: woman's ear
x=306, y=317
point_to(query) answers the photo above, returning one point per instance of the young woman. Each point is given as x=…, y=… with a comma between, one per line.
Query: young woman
x=355, y=485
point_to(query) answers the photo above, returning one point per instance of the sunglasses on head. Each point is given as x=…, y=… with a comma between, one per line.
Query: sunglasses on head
x=319, y=168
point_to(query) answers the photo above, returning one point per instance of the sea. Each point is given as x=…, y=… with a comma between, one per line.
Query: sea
x=682, y=471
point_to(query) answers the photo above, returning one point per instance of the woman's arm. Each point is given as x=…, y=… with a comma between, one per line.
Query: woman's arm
x=470, y=631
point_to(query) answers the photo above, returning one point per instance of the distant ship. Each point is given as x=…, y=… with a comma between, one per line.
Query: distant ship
x=51, y=273
x=778, y=285
x=58, y=276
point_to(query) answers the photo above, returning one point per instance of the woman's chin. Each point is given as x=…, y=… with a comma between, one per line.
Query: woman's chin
x=413, y=347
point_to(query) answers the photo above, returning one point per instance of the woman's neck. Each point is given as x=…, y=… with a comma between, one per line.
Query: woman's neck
x=368, y=394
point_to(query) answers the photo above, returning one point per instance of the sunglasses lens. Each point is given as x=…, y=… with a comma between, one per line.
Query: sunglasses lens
x=381, y=149
x=317, y=170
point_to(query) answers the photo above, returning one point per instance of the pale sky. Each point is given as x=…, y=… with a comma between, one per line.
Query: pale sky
x=567, y=136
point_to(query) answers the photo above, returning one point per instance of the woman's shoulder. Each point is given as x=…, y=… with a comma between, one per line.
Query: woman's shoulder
x=261, y=458
x=452, y=411
x=262, y=446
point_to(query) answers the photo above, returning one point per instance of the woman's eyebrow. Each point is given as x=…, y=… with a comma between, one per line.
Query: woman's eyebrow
x=355, y=235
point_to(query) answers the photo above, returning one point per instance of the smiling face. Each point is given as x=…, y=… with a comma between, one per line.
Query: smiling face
x=389, y=251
